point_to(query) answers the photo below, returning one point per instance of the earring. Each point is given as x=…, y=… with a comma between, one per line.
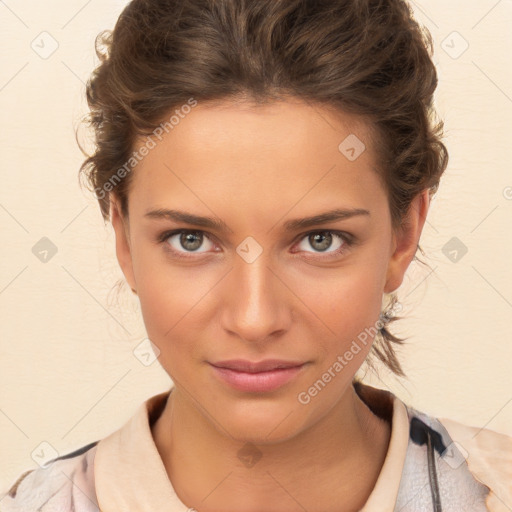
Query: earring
x=395, y=307
x=385, y=316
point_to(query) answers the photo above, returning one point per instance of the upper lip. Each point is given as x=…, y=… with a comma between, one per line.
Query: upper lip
x=243, y=365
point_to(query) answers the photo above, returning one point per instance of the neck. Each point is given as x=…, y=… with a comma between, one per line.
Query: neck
x=336, y=461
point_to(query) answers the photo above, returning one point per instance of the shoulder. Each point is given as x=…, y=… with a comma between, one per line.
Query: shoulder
x=63, y=484
x=457, y=464
x=488, y=455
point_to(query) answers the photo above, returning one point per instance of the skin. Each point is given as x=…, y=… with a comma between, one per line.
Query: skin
x=255, y=168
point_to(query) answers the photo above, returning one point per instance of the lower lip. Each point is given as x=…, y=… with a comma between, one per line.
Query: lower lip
x=257, y=382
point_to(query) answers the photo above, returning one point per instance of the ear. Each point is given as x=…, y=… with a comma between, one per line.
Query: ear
x=122, y=233
x=405, y=241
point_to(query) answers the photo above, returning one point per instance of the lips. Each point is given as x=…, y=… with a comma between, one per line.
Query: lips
x=242, y=365
x=257, y=377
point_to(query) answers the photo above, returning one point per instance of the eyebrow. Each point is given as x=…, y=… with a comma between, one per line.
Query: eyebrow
x=289, y=225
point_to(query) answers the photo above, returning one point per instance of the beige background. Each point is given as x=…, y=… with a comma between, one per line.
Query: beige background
x=68, y=374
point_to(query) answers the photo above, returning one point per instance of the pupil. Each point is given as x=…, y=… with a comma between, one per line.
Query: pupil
x=189, y=237
x=326, y=240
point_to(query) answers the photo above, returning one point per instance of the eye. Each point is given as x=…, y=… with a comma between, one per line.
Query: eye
x=181, y=242
x=184, y=243
x=321, y=241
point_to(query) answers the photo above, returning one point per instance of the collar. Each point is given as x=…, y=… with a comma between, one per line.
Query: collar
x=130, y=475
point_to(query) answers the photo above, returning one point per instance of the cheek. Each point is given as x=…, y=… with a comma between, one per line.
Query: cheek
x=345, y=309
x=173, y=299
x=162, y=291
x=169, y=323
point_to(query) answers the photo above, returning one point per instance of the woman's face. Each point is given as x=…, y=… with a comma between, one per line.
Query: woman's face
x=259, y=284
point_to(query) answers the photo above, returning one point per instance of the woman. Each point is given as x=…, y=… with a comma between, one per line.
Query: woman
x=267, y=167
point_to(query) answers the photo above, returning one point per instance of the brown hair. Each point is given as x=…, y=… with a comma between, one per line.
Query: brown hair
x=369, y=58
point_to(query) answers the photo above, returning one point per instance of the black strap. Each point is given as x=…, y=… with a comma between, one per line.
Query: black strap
x=420, y=434
x=432, y=475
x=75, y=453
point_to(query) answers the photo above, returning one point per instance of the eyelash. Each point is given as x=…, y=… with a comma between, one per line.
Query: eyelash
x=348, y=242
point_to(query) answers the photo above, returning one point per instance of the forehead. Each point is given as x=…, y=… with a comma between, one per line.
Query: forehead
x=276, y=125
x=282, y=150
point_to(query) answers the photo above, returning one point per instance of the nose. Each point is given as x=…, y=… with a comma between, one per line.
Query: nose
x=257, y=304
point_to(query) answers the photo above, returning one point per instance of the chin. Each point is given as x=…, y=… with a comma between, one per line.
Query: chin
x=264, y=422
